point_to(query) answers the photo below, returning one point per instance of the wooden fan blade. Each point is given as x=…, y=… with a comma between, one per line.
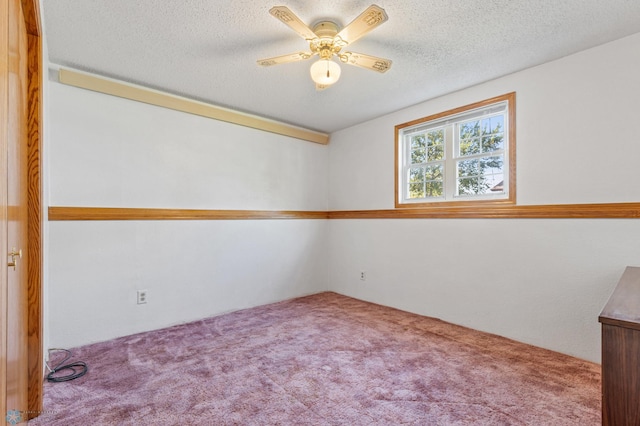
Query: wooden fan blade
x=372, y=17
x=366, y=61
x=285, y=15
x=285, y=59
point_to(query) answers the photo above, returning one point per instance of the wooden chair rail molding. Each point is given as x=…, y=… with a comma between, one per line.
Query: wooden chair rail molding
x=111, y=213
x=553, y=211
x=550, y=211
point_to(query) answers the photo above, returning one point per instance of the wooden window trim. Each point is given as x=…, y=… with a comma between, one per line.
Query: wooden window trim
x=511, y=112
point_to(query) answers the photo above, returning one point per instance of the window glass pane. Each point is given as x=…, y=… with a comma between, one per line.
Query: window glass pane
x=493, y=174
x=480, y=176
x=490, y=165
x=435, y=138
x=434, y=176
x=486, y=126
x=492, y=184
x=495, y=184
x=434, y=172
x=470, y=138
x=416, y=190
x=497, y=124
x=417, y=141
x=486, y=135
x=469, y=133
x=434, y=189
x=418, y=156
x=435, y=153
x=469, y=168
x=416, y=175
x=493, y=143
x=417, y=149
x=469, y=129
x=493, y=133
x=467, y=186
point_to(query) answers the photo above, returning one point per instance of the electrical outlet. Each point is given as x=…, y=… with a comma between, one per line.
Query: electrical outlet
x=142, y=297
x=363, y=276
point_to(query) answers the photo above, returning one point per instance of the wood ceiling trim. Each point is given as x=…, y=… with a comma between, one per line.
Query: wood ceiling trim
x=177, y=103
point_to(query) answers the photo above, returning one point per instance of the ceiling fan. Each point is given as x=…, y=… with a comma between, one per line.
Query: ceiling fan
x=326, y=40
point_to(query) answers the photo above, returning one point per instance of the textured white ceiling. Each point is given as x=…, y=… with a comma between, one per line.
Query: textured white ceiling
x=207, y=49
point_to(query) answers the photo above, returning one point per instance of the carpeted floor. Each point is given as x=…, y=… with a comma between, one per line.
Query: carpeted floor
x=324, y=359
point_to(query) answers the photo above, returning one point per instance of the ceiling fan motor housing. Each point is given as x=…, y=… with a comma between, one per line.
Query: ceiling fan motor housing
x=326, y=44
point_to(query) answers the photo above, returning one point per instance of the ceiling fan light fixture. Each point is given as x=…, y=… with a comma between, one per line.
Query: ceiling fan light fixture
x=326, y=40
x=325, y=72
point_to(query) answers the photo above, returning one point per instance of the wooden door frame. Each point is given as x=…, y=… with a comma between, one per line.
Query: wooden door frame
x=31, y=11
x=4, y=118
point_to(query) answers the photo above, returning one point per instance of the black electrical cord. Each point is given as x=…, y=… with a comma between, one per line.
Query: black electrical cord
x=76, y=369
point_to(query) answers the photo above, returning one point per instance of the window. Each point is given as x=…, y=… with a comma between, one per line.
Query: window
x=463, y=155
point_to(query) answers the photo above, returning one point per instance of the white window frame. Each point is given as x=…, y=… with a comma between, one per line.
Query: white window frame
x=449, y=121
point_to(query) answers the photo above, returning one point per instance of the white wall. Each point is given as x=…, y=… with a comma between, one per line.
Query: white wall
x=110, y=152
x=538, y=281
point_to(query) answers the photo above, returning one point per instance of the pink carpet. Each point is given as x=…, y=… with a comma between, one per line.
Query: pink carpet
x=324, y=359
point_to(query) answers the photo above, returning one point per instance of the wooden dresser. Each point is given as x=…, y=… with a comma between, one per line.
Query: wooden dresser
x=620, y=320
